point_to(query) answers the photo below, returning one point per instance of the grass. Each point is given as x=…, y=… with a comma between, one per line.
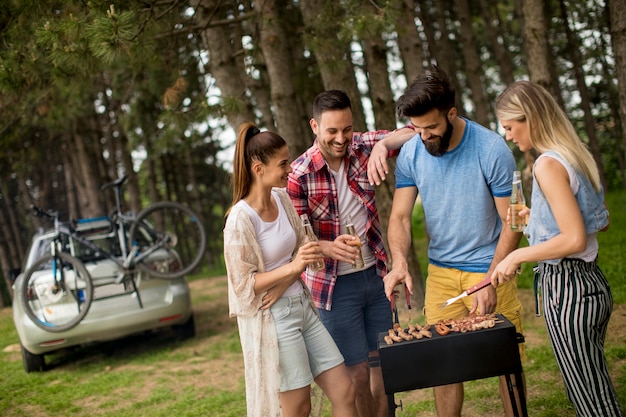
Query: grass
x=153, y=375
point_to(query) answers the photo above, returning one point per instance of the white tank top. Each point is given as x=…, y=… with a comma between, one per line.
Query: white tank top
x=349, y=204
x=277, y=240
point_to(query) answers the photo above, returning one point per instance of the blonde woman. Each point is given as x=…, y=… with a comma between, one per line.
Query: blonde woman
x=568, y=211
x=285, y=345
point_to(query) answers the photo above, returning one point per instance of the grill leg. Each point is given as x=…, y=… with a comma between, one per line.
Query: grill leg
x=391, y=403
x=520, y=392
x=519, y=386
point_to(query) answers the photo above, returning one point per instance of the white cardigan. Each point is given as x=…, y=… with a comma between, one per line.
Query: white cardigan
x=257, y=331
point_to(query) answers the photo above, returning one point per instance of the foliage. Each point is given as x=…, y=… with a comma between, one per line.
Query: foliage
x=613, y=246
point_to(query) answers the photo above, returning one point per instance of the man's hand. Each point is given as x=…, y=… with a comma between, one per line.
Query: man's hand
x=340, y=249
x=484, y=301
x=377, y=168
x=395, y=277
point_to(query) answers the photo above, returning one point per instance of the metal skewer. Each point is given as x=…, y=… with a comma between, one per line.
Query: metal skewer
x=482, y=284
x=408, y=301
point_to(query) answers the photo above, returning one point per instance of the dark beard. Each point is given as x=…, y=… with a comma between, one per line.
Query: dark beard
x=440, y=147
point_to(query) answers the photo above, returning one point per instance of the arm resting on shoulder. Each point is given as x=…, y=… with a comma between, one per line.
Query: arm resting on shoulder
x=377, y=168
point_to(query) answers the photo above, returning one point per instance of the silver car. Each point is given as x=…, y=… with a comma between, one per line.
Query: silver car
x=118, y=309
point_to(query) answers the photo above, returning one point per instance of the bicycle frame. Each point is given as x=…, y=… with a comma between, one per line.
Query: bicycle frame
x=62, y=230
x=129, y=256
x=54, y=247
x=153, y=230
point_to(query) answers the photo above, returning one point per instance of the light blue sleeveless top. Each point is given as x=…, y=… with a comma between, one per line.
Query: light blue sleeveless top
x=542, y=224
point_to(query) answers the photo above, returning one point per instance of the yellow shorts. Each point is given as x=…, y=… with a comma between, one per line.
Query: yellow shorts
x=444, y=283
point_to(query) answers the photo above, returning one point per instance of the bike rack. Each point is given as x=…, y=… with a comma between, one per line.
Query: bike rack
x=99, y=228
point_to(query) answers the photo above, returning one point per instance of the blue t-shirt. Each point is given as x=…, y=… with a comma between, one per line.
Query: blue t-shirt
x=457, y=192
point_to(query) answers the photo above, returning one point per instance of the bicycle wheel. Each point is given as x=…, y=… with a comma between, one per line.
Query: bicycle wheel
x=169, y=239
x=56, y=292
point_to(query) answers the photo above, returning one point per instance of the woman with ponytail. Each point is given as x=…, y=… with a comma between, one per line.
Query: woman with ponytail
x=285, y=345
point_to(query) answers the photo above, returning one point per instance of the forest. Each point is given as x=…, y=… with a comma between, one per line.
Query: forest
x=154, y=89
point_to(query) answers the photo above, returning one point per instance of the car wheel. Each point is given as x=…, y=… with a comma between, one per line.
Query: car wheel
x=187, y=330
x=32, y=362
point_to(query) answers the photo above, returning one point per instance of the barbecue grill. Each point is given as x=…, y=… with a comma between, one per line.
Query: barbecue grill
x=452, y=358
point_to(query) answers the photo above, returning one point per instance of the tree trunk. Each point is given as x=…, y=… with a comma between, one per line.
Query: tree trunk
x=322, y=21
x=375, y=52
x=495, y=33
x=442, y=50
x=6, y=230
x=15, y=244
x=150, y=165
x=585, y=103
x=607, y=73
x=538, y=55
x=278, y=62
x=131, y=187
x=229, y=73
x=73, y=205
x=8, y=243
x=473, y=66
x=616, y=9
x=27, y=200
x=447, y=60
x=5, y=268
x=536, y=42
x=409, y=42
x=89, y=194
x=555, y=85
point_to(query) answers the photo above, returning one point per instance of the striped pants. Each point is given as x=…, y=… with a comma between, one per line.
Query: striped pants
x=577, y=304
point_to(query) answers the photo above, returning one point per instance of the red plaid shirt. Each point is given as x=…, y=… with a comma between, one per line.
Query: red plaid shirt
x=313, y=191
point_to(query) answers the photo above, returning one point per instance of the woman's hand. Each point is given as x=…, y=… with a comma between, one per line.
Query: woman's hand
x=525, y=212
x=308, y=253
x=506, y=270
x=273, y=294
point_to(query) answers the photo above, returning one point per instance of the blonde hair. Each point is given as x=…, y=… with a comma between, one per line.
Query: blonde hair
x=549, y=128
x=251, y=146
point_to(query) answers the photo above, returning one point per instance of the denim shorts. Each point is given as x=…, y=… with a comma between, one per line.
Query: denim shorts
x=305, y=347
x=360, y=311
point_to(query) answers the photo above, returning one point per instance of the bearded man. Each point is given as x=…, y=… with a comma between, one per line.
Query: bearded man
x=463, y=173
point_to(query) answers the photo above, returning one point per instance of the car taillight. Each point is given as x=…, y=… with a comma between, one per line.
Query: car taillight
x=170, y=318
x=53, y=342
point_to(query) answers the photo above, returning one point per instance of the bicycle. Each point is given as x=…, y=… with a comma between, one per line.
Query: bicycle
x=166, y=240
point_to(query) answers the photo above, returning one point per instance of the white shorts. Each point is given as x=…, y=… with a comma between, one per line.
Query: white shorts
x=305, y=347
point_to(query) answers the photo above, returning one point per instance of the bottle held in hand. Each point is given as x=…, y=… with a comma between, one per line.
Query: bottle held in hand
x=310, y=234
x=518, y=202
x=360, y=262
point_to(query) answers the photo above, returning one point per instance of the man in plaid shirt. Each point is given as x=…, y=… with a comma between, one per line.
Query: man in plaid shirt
x=329, y=182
